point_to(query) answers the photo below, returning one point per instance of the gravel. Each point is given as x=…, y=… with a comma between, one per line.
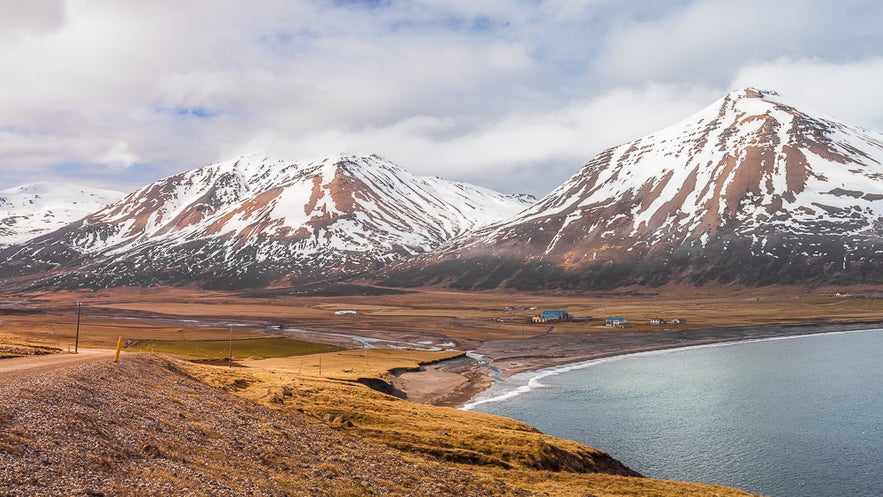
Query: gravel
x=142, y=427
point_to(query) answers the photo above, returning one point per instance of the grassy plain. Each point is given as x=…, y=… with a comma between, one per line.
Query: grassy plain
x=467, y=319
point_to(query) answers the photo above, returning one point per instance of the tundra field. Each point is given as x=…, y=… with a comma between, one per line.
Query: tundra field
x=462, y=320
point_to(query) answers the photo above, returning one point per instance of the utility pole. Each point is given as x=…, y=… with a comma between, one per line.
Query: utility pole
x=77, y=339
x=230, y=354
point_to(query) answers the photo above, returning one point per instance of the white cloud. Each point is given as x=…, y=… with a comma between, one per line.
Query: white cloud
x=505, y=93
x=710, y=40
x=566, y=136
x=117, y=155
x=850, y=92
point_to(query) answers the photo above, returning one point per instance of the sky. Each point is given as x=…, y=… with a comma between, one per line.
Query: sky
x=512, y=95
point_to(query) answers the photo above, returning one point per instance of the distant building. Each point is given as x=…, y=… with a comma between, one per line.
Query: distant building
x=345, y=312
x=657, y=321
x=678, y=321
x=552, y=316
x=615, y=322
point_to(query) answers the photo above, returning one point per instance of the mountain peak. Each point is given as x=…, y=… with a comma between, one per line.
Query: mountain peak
x=749, y=176
x=752, y=92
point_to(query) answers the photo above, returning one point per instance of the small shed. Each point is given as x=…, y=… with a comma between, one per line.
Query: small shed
x=615, y=322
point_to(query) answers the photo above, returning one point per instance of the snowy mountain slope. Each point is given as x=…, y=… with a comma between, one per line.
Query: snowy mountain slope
x=31, y=210
x=253, y=220
x=749, y=189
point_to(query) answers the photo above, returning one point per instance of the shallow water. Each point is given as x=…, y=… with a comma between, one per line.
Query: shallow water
x=798, y=417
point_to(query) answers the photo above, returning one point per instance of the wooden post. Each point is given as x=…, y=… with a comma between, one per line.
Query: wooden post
x=116, y=356
x=77, y=339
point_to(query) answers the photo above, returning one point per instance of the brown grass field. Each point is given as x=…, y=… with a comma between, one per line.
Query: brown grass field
x=467, y=318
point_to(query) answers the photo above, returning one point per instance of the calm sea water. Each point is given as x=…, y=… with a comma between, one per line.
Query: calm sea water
x=797, y=417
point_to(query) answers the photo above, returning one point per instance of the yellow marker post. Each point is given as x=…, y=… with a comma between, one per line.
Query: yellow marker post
x=116, y=357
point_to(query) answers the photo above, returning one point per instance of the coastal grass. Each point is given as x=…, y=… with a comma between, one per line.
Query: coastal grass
x=491, y=447
x=564, y=484
x=241, y=348
x=442, y=433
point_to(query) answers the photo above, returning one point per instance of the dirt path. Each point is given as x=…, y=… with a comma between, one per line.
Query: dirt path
x=15, y=367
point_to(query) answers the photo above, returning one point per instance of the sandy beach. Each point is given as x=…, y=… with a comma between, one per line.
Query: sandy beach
x=454, y=382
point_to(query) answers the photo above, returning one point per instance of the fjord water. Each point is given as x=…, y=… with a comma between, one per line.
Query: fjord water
x=797, y=417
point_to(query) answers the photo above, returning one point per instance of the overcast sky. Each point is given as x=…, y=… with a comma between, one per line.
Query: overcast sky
x=513, y=95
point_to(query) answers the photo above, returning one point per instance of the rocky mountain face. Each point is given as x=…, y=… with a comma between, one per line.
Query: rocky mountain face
x=254, y=221
x=750, y=190
x=31, y=210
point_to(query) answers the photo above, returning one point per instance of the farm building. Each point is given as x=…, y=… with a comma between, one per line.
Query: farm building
x=657, y=321
x=345, y=312
x=615, y=322
x=552, y=316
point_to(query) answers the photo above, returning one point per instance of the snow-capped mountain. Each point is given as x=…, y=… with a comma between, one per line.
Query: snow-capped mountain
x=254, y=220
x=750, y=189
x=31, y=210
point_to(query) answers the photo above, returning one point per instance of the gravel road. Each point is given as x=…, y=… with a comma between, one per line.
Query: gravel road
x=11, y=369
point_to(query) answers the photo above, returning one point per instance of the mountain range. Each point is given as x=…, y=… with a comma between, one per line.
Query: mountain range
x=751, y=190
x=254, y=221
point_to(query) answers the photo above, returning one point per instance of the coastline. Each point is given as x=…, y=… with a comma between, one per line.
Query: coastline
x=458, y=382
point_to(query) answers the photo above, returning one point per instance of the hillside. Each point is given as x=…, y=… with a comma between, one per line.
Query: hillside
x=751, y=190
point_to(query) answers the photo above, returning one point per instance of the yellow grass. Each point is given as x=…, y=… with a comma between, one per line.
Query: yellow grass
x=351, y=364
x=491, y=447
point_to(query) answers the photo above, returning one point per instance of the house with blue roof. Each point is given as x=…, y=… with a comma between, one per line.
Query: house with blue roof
x=552, y=316
x=615, y=322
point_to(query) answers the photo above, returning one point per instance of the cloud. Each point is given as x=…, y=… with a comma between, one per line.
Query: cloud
x=516, y=152
x=117, y=155
x=709, y=41
x=513, y=95
x=36, y=17
x=846, y=91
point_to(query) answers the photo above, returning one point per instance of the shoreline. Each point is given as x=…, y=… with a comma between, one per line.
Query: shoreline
x=457, y=385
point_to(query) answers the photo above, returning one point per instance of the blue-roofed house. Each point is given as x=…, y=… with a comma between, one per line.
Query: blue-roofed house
x=615, y=322
x=552, y=316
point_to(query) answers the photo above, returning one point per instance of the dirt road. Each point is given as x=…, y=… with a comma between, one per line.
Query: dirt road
x=13, y=368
